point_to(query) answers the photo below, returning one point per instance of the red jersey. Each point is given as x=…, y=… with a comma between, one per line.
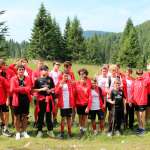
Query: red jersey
x=59, y=91
x=15, y=89
x=139, y=90
x=82, y=92
x=4, y=90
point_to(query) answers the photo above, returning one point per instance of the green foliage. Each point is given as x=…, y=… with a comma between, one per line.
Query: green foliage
x=3, y=31
x=46, y=40
x=74, y=40
x=130, y=52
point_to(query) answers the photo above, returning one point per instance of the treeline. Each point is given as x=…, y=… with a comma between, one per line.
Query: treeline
x=130, y=48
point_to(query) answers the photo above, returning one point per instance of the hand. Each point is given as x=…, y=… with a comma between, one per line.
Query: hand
x=87, y=110
x=125, y=111
x=7, y=102
x=44, y=89
x=130, y=104
x=113, y=102
x=50, y=91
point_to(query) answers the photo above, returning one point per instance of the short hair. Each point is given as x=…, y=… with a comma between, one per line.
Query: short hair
x=68, y=62
x=24, y=59
x=129, y=69
x=20, y=66
x=139, y=72
x=44, y=67
x=56, y=62
x=83, y=70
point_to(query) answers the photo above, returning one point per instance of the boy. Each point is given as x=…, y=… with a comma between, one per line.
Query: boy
x=44, y=86
x=117, y=100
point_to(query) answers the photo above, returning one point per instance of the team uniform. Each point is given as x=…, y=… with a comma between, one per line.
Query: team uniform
x=45, y=102
x=117, y=109
x=82, y=97
x=139, y=91
x=129, y=118
x=95, y=104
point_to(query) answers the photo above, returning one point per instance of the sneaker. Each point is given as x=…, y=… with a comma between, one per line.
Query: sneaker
x=51, y=134
x=18, y=136
x=6, y=133
x=39, y=134
x=95, y=132
x=25, y=135
x=117, y=133
x=61, y=135
x=141, y=131
x=109, y=134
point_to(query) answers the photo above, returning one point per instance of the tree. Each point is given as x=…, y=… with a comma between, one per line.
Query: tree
x=130, y=51
x=41, y=43
x=75, y=42
x=67, y=51
x=3, y=31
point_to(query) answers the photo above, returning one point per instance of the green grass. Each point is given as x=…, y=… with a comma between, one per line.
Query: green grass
x=128, y=141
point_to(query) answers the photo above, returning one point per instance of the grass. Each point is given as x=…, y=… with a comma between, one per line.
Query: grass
x=128, y=141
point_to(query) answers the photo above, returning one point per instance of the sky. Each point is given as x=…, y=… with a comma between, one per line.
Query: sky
x=101, y=15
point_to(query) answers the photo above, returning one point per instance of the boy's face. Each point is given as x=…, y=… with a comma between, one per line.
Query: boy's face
x=104, y=72
x=44, y=73
x=24, y=63
x=40, y=63
x=128, y=72
x=21, y=71
x=57, y=66
x=94, y=84
x=65, y=77
x=117, y=84
x=113, y=72
x=83, y=75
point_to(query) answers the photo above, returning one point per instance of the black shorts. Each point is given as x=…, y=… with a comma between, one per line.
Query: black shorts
x=81, y=110
x=99, y=113
x=148, y=100
x=23, y=107
x=4, y=108
x=140, y=107
x=67, y=112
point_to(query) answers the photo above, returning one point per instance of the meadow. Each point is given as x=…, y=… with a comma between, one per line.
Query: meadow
x=127, y=141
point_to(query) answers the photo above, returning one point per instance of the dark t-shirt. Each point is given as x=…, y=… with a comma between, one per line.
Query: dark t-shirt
x=44, y=82
x=22, y=97
x=118, y=96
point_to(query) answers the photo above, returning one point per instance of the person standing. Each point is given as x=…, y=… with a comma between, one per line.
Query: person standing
x=20, y=87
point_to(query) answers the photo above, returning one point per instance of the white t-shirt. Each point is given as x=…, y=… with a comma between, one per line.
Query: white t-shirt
x=95, y=100
x=55, y=76
x=102, y=81
x=129, y=83
x=66, y=96
x=26, y=73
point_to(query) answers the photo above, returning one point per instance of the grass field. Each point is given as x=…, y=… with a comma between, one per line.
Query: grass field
x=128, y=141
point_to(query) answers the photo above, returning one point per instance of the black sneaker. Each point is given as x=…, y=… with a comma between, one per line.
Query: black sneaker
x=61, y=135
x=6, y=133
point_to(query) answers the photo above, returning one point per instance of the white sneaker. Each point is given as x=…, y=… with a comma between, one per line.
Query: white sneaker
x=117, y=133
x=109, y=134
x=18, y=136
x=25, y=135
x=39, y=134
x=95, y=132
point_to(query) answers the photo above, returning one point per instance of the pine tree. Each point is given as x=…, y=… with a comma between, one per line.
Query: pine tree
x=41, y=43
x=67, y=51
x=130, y=52
x=3, y=45
x=75, y=43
